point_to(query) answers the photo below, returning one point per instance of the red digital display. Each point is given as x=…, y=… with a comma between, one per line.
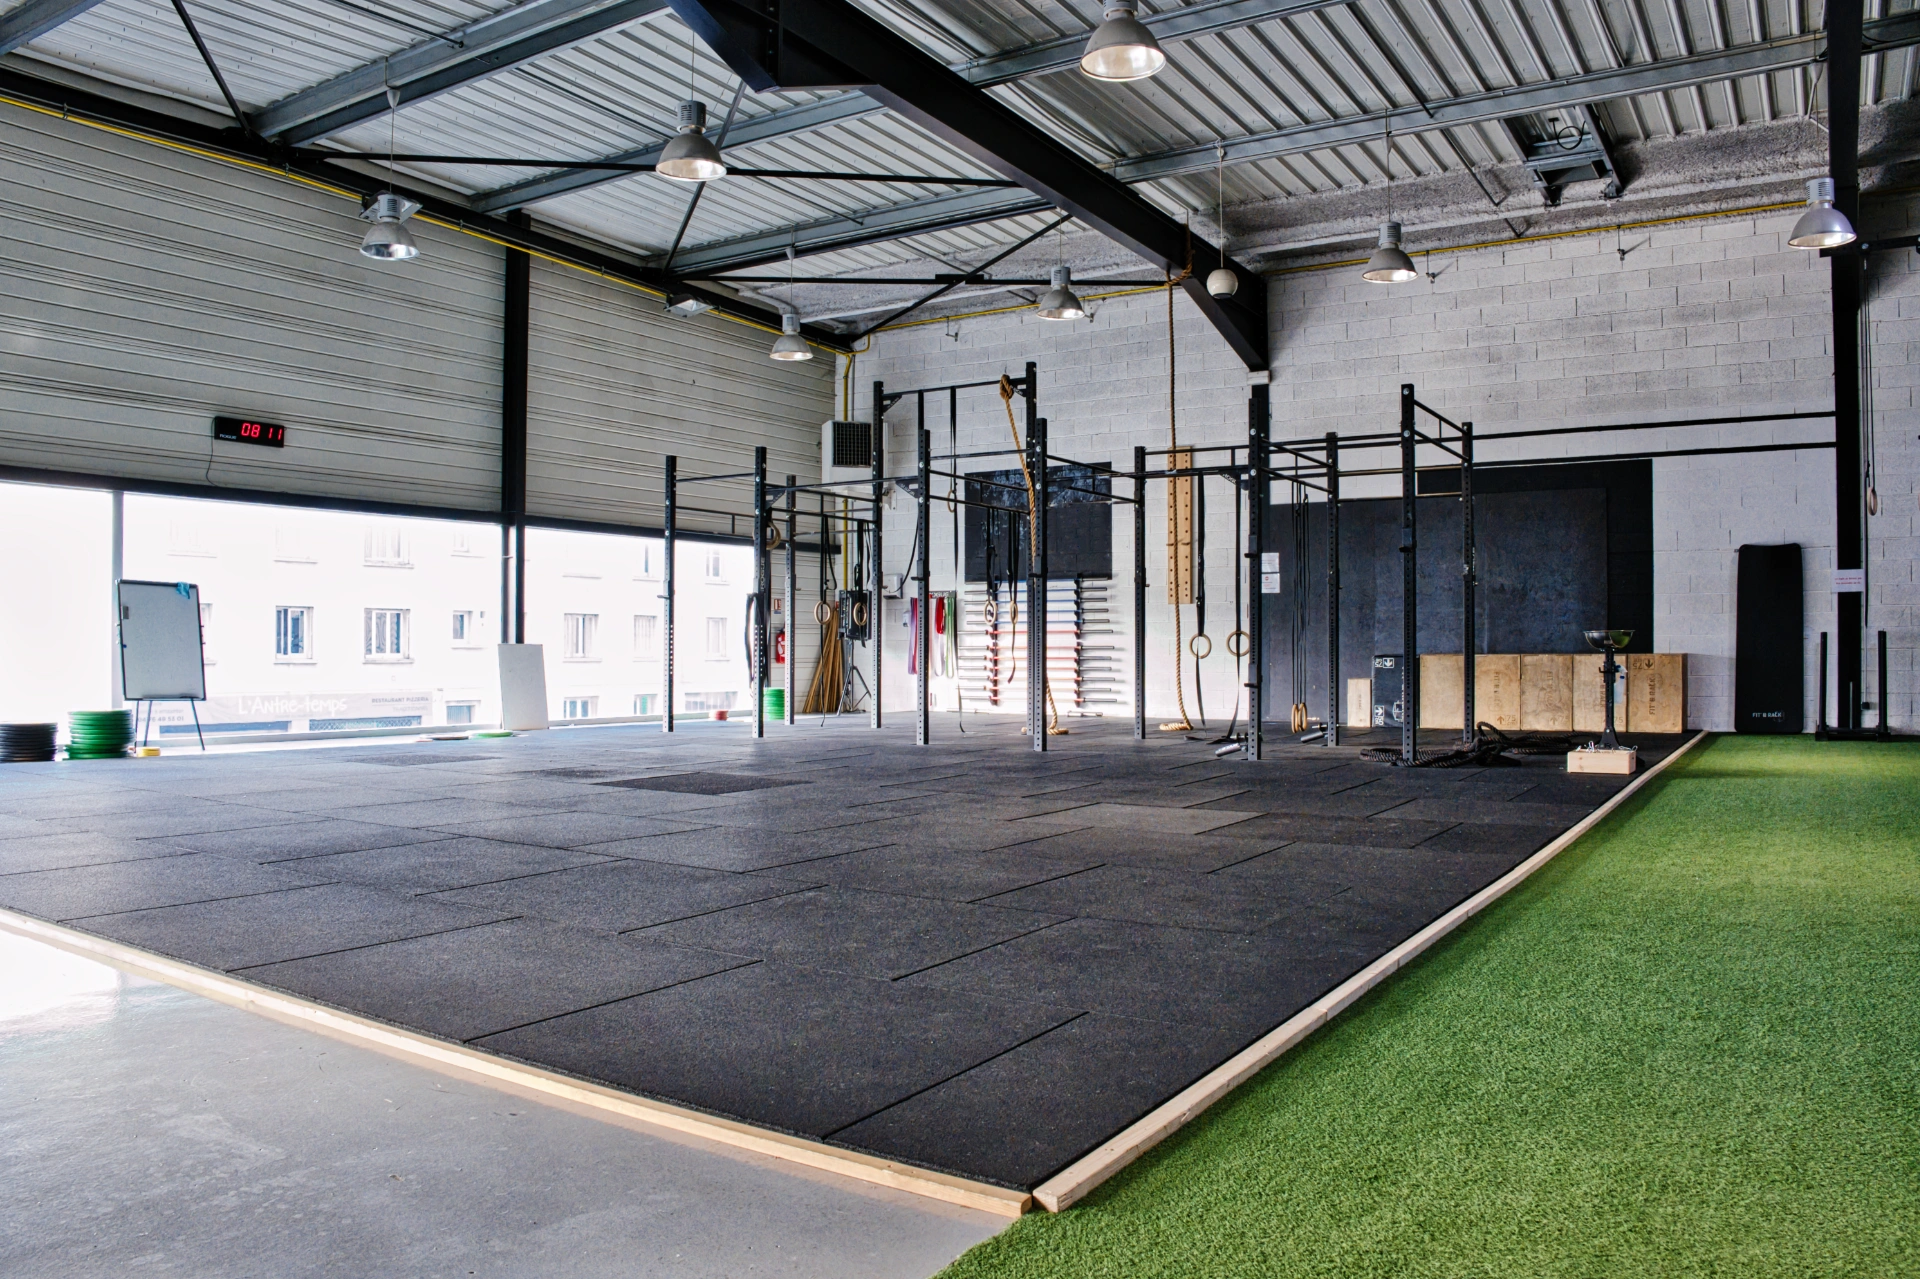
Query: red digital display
x=242, y=431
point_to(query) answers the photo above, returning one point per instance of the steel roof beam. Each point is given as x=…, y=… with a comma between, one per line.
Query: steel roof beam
x=873, y=226
x=493, y=44
x=990, y=69
x=815, y=44
x=37, y=17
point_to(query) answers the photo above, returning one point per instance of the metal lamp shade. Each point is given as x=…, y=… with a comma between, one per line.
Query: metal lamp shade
x=690, y=157
x=790, y=345
x=1822, y=226
x=1389, y=263
x=1060, y=302
x=1222, y=283
x=388, y=239
x=1122, y=49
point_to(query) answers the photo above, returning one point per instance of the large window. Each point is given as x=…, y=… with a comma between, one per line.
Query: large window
x=580, y=708
x=461, y=712
x=387, y=547
x=581, y=633
x=646, y=637
x=387, y=635
x=293, y=633
x=718, y=650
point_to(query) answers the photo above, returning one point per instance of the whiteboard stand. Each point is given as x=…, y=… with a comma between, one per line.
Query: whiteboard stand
x=162, y=652
x=192, y=704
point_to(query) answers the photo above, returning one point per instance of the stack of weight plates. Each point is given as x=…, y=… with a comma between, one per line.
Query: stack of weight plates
x=99, y=734
x=26, y=743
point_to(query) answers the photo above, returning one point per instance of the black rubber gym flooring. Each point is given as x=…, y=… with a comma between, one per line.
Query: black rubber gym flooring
x=968, y=957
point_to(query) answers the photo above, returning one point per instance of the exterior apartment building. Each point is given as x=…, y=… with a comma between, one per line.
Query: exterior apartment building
x=319, y=620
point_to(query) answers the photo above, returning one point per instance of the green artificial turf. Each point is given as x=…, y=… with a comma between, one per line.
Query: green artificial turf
x=1688, y=1046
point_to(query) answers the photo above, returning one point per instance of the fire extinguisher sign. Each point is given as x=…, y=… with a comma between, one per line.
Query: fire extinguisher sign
x=780, y=648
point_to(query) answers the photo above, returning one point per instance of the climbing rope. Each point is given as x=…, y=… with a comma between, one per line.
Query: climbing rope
x=1033, y=540
x=1185, y=725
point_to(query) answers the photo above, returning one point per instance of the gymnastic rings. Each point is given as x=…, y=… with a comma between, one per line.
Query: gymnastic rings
x=991, y=611
x=1193, y=645
x=775, y=538
x=1239, y=643
x=859, y=612
x=823, y=612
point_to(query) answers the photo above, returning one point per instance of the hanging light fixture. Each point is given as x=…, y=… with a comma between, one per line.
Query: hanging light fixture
x=1822, y=226
x=1122, y=48
x=388, y=239
x=790, y=345
x=1060, y=302
x=1389, y=263
x=1221, y=282
x=690, y=156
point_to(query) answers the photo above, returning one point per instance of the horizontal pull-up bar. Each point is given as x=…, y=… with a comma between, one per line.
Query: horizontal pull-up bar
x=1651, y=426
x=1480, y=465
x=1436, y=414
x=695, y=479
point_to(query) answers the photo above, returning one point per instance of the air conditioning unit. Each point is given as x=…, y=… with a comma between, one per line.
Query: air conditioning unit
x=846, y=452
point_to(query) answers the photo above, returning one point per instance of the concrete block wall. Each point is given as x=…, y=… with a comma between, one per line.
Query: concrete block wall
x=1710, y=318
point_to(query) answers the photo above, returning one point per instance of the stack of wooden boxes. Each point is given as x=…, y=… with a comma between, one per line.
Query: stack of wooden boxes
x=1556, y=692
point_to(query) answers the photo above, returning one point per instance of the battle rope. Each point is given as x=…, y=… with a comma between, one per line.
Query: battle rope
x=1033, y=540
x=1490, y=746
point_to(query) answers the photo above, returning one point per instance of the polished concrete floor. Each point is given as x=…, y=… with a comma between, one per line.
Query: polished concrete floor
x=147, y=1131
x=971, y=957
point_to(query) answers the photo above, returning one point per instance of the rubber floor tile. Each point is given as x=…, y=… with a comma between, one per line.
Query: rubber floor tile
x=303, y=839
x=442, y=864
x=1180, y=975
x=81, y=848
x=241, y=932
x=185, y=820
x=1013, y=1121
x=1379, y=832
x=1491, y=840
x=708, y=783
x=873, y=934
x=1140, y=817
x=1173, y=898
x=111, y=887
x=1197, y=853
x=12, y=827
x=569, y=830
x=1502, y=812
x=740, y=848
x=945, y=874
x=438, y=812
x=805, y=1052
x=479, y=981
x=617, y=896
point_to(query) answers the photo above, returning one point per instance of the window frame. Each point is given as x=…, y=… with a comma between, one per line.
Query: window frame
x=580, y=636
x=402, y=633
x=283, y=615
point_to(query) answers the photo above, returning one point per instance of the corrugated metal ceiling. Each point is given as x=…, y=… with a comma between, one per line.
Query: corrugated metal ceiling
x=618, y=91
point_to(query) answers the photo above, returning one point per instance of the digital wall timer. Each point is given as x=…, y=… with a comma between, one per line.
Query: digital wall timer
x=241, y=431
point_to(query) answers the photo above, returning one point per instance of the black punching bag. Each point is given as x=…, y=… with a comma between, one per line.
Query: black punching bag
x=1769, y=649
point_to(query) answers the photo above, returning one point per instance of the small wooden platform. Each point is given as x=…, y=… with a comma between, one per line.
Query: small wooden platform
x=1624, y=761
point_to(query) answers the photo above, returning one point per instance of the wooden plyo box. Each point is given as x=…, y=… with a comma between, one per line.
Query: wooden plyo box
x=1590, y=695
x=1359, y=703
x=1496, y=690
x=1546, y=692
x=1625, y=760
x=1442, y=686
x=1656, y=693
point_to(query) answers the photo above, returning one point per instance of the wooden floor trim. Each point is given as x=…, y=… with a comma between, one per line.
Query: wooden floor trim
x=1080, y=1178
x=483, y=1067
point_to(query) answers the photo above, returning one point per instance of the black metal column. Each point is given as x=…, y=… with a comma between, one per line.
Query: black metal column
x=666, y=594
x=513, y=442
x=790, y=609
x=1258, y=459
x=1843, y=143
x=1335, y=693
x=1469, y=572
x=1140, y=593
x=1037, y=581
x=922, y=647
x=876, y=579
x=1409, y=585
x=762, y=593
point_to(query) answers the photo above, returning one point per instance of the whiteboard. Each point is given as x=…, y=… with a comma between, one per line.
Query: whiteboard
x=160, y=655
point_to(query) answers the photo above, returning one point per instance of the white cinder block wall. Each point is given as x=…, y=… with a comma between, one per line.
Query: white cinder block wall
x=1703, y=319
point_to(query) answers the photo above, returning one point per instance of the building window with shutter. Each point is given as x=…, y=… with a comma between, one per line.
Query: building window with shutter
x=717, y=646
x=386, y=633
x=293, y=633
x=646, y=637
x=581, y=633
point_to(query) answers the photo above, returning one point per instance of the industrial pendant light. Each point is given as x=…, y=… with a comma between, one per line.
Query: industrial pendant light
x=1822, y=226
x=1389, y=263
x=1221, y=282
x=688, y=155
x=790, y=345
x=388, y=239
x=1122, y=48
x=1060, y=302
